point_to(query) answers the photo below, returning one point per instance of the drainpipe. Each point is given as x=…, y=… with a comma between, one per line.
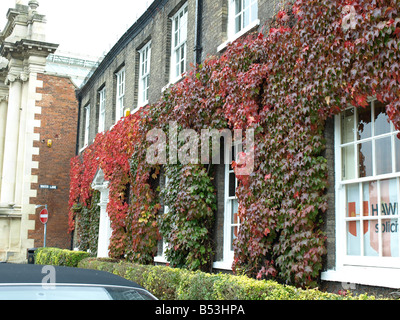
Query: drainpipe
x=79, y=120
x=197, y=36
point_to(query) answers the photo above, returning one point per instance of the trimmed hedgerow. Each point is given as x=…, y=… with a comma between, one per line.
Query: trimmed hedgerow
x=179, y=284
x=59, y=257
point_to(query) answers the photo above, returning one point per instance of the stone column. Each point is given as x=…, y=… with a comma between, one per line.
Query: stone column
x=3, y=121
x=22, y=139
x=8, y=182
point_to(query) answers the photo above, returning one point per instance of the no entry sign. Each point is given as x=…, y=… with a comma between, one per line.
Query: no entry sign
x=44, y=216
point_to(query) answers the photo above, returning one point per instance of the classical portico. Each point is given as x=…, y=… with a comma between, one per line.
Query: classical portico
x=23, y=53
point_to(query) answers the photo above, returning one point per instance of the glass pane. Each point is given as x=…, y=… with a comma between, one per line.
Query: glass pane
x=389, y=197
x=234, y=234
x=238, y=6
x=353, y=200
x=254, y=11
x=246, y=17
x=371, y=242
x=365, y=159
x=348, y=126
x=353, y=238
x=176, y=32
x=235, y=210
x=348, y=163
x=232, y=186
x=370, y=199
x=364, y=128
x=382, y=124
x=383, y=155
x=238, y=23
x=390, y=237
x=397, y=148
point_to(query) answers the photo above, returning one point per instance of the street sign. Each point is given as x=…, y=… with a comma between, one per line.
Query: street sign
x=48, y=187
x=44, y=216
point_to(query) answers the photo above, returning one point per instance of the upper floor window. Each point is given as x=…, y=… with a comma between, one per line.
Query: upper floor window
x=179, y=37
x=242, y=15
x=368, y=175
x=87, y=125
x=119, y=112
x=144, y=74
x=102, y=109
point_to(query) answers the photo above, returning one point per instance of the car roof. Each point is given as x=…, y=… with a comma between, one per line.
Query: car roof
x=32, y=274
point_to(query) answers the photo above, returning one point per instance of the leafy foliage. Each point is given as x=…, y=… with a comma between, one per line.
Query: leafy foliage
x=310, y=66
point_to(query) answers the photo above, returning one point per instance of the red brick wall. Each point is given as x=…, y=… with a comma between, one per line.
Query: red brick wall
x=58, y=123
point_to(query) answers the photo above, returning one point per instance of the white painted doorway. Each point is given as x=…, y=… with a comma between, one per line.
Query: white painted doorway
x=105, y=231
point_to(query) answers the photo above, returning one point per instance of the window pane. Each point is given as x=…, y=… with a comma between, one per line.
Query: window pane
x=364, y=123
x=371, y=242
x=383, y=155
x=246, y=17
x=232, y=185
x=234, y=234
x=390, y=237
x=235, y=210
x=238, y=6
x=254, y=11
x=238, y=23
x=389, y=197
x=381, y=119
x=370, y=199
x=365, y=159
x=348, y=126
x=353, y=200
x=353, y=238
x=348, y=163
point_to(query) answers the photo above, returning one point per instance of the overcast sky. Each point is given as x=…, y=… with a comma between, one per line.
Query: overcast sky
x=89, y=27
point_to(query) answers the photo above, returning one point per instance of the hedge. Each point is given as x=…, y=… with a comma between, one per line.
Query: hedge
x=178, y=284
x=59, y=257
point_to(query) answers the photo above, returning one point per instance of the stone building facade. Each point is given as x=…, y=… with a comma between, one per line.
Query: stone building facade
x=170, y=37
x=38, y=116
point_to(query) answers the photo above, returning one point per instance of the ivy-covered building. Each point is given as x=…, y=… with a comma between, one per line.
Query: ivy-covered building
x=323, y=200
x=163, y=44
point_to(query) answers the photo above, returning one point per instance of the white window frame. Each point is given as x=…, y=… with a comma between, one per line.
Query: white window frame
x=87, y=126
x=162, y=258
x=144, y=75
x=369, y=270
x=102, y=110
x=232, y=15
x=179, y=44
x=228, y=253
x=119, y=111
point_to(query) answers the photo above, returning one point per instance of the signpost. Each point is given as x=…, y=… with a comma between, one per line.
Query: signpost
x=44, y=218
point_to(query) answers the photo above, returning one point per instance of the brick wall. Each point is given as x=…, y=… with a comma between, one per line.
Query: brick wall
x=58, y=122
x=329, y=217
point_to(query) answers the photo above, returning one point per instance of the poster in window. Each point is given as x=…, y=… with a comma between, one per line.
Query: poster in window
x=371, y=225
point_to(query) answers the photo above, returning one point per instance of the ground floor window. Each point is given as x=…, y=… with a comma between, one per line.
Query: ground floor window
x=368, y=187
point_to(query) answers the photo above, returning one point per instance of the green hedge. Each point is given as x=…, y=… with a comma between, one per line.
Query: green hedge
x=59, y=257
x=176, y=284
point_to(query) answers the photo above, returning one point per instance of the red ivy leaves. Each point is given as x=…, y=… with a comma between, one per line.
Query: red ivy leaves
x=285, y=84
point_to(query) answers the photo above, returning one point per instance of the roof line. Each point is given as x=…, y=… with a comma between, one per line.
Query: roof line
x=126, y=38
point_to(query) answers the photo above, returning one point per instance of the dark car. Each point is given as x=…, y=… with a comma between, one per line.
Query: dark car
x=36, y=282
